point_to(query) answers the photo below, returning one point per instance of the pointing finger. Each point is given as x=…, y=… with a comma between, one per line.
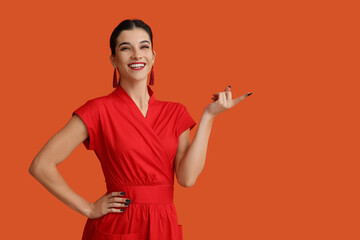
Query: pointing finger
x=242, y=97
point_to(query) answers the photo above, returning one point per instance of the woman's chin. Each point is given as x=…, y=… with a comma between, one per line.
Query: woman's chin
x=138, y=79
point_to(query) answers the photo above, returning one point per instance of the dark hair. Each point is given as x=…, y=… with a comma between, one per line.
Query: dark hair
x=128, y=24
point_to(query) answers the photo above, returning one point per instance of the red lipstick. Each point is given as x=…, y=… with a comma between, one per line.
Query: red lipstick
x=137, y=67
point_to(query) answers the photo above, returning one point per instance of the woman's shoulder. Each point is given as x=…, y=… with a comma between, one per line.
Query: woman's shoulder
x=97, y=102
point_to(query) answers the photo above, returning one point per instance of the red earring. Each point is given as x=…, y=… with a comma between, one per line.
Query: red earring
x=152, y=76
x=115, y=84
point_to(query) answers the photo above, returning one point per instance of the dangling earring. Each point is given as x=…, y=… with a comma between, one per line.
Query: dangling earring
x=152, y=76
x=115, y=84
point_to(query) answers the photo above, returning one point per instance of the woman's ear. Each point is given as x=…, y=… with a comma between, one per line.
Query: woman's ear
x=154, y=54
x=112, y=60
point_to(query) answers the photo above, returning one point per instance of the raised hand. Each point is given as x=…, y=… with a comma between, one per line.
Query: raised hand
x=223, y=101
x=108, y=203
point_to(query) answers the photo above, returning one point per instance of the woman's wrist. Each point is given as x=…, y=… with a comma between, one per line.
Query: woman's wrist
x=88, y=210
x=208, y=115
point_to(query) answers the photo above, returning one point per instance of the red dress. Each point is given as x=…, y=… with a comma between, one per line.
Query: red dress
x=137, y=156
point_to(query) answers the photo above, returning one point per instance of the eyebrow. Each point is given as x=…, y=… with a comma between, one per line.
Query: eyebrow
x=143, y=41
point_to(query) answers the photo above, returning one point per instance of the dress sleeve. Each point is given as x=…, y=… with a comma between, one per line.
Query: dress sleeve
x=89, y=114
x=184, y=120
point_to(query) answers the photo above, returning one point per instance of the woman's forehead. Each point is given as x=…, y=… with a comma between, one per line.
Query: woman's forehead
x=133, y=36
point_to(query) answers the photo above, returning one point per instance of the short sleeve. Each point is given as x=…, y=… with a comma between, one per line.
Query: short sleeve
x=184, y=120
x=89, y=114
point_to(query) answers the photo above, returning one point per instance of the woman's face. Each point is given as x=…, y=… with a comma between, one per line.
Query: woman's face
x=133, y=46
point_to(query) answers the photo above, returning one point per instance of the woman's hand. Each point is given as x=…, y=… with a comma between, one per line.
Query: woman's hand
x=223, y=101
x=106, y=204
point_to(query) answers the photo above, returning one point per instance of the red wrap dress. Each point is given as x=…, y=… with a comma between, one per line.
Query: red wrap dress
x=137, y=154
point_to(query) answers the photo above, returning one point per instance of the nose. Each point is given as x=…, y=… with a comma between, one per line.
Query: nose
x=136, y=54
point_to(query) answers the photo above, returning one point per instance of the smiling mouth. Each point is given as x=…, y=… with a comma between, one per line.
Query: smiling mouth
x=137, y=66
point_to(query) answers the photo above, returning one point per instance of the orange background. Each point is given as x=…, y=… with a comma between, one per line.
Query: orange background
x=282, y=164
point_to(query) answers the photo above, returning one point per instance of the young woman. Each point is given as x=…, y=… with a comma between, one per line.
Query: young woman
x=140, y=142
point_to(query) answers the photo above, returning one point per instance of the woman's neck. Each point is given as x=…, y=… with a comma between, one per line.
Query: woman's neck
x=137, y=91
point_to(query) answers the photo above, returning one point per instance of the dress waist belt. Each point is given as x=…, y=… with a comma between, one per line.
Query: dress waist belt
x=161, y=194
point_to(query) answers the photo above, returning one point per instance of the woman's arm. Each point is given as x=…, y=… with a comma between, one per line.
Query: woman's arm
x=55, y=151
x=190, y=157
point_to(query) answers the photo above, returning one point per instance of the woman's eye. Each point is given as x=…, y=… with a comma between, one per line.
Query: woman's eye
x=128, y=48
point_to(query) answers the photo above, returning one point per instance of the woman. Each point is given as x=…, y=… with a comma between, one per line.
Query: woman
x=139, y=140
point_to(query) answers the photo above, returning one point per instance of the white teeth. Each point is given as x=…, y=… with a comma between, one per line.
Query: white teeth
x=137, y=65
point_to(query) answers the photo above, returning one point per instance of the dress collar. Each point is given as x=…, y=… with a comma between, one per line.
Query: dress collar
x=125, y=98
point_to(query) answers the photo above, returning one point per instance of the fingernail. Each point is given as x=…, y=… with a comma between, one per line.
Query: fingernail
x=127, y=204
x=122, y=210
x=249, y=93
x=128, y=200
x=122, y=193
x=229, y=86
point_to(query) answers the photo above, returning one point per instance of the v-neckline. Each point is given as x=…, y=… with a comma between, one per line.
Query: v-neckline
x=120, y=90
